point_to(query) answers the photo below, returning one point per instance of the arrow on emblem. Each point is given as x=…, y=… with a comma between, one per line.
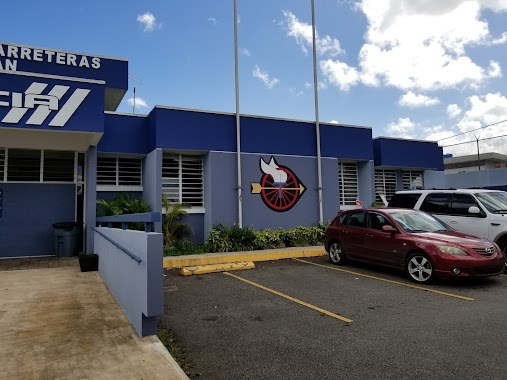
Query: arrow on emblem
x=257, y=188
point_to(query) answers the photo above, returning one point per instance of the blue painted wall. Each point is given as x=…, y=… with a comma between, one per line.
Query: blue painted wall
x=259, y=135
x=29, y=211
x=125, y=134
x=330, y=188
x=91, y=197
x=196, y=224
x=220, y=194
x=407, y=154
x=180, y=129
x=346, y=142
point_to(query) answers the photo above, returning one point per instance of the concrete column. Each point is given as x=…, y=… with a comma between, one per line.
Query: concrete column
x=366, y=182
x=91, y=197
x=399, y=179
x=152, y=182
x=208, y=202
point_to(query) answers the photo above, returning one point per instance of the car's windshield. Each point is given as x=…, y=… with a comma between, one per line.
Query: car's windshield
x=495, y=202
x=416, y=221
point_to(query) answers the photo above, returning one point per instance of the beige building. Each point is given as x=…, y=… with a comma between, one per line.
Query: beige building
x=470, y=163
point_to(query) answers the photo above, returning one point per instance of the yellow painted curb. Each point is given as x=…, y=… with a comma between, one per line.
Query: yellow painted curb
x=234, y=257
x=189, y=271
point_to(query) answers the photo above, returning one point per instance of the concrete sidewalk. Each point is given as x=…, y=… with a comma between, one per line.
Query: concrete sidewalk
x=234, y=257
x=60, y=323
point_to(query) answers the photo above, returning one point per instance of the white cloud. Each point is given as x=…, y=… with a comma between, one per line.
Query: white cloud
x=244, y=51
x=308, y=85
x=296, y=92
x=404, y=127
x=421, y=45
x=334, y=121
x=453, y=111
x=482, y=111
x=339, y=74
x=212, y=20
x=302, y=33
x=140, y=102
x=411, y=99
x=148, y=21
x=264, y=77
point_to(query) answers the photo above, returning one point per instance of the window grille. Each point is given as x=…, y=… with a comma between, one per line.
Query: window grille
x=58, y=166
x=119, y=171
x=182, y=179
x=2, y=164
x=348, y=183
x=385, y=183
x=413, y=180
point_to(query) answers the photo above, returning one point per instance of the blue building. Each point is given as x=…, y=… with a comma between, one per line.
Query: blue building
x=62, y=146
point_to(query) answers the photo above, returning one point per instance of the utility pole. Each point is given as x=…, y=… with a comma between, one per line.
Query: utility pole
x=478, y=154
x=136, y=81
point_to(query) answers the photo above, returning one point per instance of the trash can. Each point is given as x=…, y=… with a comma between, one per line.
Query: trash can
x=67, y=239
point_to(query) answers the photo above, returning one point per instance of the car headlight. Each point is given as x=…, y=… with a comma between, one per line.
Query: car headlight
x=450, y=250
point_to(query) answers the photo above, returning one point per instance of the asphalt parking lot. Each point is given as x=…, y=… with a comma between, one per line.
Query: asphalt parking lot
x=307, y=319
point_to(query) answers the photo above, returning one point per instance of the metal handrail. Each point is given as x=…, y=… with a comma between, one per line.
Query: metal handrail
x=121, y=248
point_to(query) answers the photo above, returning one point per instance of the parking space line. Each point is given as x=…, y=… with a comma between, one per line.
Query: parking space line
x=328, y=313
x=390, y=281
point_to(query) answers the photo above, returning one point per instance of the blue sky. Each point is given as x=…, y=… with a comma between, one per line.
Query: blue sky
x=417, y=69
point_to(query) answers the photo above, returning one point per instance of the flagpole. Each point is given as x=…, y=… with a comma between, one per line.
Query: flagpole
x=317, y=125
x=238, y=122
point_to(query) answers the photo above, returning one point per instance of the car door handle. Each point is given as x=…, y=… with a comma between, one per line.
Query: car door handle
x=369, y=235
x=495, y=224
x=345, y=232
x=454, y=222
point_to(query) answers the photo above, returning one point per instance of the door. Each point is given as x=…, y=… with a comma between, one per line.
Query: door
x=463, y=221
x=381, y=247
x=353, y=232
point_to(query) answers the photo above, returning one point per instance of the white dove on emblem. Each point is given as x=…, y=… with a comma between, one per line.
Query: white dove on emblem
x=279, y=175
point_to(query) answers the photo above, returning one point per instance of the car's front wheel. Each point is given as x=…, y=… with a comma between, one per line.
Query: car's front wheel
x=419, y=268
x=336, y=253
x=503, y=247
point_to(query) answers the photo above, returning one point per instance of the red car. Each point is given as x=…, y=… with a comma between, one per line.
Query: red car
x=421, y=245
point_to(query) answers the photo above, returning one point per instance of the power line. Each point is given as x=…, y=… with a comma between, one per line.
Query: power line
x=468, y=142
x=473, y=130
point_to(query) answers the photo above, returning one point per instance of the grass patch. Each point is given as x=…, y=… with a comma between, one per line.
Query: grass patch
x=177, y=352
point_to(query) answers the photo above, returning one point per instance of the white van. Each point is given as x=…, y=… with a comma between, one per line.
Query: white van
x=476, y=212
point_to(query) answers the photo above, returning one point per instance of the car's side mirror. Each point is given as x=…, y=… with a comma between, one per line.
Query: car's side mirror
x=389, y=229
x=474, y=210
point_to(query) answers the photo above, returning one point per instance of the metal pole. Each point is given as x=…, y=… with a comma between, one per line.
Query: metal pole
x=478, y=154
x=317, y=126
x=134, y=102
x=238, y=122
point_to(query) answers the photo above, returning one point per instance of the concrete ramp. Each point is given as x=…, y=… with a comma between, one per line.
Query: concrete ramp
x=60, y=323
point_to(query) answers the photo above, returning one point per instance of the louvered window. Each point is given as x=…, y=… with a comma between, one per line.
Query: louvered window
x=24, y=165
x=119, y=171
x=385, y=183
x=182, y=179
x=2, y=165
x=413, y=180
x=30, y=165
x=58, y=166
x=348, y=183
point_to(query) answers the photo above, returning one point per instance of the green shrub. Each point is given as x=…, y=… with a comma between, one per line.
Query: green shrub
x=233, y=239
x=121, y=205
x=185, y=247
x=172, y=229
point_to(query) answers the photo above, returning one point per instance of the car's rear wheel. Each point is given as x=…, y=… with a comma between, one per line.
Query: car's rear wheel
x=419, y=268
x=336, y=253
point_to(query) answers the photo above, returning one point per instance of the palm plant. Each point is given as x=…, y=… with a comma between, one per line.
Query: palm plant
x=123, y=204
x=172, y=229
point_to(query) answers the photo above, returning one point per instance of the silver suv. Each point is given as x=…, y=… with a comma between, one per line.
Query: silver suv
x=476, y=212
